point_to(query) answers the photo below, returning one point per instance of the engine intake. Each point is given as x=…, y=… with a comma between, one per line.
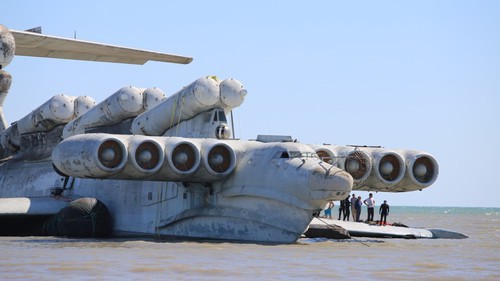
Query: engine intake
x=351, y=159
x=219, y=159
x=422, y=169
x=93, y=155
x=147, y=156
x=327, y=156
x=358, y=164
x=107, y=156
x=184, y=158
x=110, y=154
x=380, y=169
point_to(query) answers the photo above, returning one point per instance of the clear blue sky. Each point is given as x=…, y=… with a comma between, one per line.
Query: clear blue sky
x=401, y=74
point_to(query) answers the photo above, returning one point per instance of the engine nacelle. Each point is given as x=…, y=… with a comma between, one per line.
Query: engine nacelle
x=380, y=169
x=355, y=161
x=326, y=154
x=421, y=170
x=146, y=157
x=107, y=156
x=183, y=157
x=91, y=155
x=388, y=169
x=219, y=159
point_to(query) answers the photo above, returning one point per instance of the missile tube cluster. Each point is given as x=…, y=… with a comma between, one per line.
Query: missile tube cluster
x=106, y=156
x=58, y=110
x=80, y=113
x=380, y=169
x=126, y=103
x=201, y=95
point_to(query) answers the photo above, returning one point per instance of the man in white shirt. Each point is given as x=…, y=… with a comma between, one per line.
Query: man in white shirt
x=370, y=204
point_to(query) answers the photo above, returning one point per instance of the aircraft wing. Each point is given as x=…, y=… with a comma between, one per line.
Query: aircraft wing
x=40, y=45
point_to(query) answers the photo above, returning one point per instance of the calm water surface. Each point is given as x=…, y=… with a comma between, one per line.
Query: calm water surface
x=475, y=258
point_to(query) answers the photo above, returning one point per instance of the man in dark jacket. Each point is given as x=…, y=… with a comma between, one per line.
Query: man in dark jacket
x=347, y=208
x=383, y=211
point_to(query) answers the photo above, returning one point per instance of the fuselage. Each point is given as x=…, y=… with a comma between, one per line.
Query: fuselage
x=270, y=196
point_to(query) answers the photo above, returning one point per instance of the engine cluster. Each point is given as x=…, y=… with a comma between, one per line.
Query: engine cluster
x=380, y=169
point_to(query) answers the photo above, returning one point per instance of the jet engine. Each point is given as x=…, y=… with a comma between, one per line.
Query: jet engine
x=147, y=157
x=161, y=159
x=91, y=155
x=107, y=156
x=326, y=155
x=388, y=169
x=356, y=162
x=380, y=169
x=219, y=159
x=421, y=170
x=183, y=157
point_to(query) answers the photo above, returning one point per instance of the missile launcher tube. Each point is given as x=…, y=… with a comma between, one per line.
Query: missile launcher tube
x=83, y=104
x=152, y=97
x=201, y=95
x=197, y=97
x=59, y=109
x=125, y=103
x=232, y=94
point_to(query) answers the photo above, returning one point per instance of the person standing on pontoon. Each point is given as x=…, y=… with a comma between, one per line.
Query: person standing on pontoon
x=383, y=211
x=353, y=207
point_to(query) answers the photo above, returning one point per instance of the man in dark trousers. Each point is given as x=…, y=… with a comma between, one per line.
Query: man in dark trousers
x=370, y=205
x=341, y=209
x=383, y=211
x=347, y=208
x=358, y=205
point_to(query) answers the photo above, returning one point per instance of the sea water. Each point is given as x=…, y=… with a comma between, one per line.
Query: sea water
x=474, y=258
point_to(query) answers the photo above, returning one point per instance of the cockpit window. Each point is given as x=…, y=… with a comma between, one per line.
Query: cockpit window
x=219, y=116
x=222, y=116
